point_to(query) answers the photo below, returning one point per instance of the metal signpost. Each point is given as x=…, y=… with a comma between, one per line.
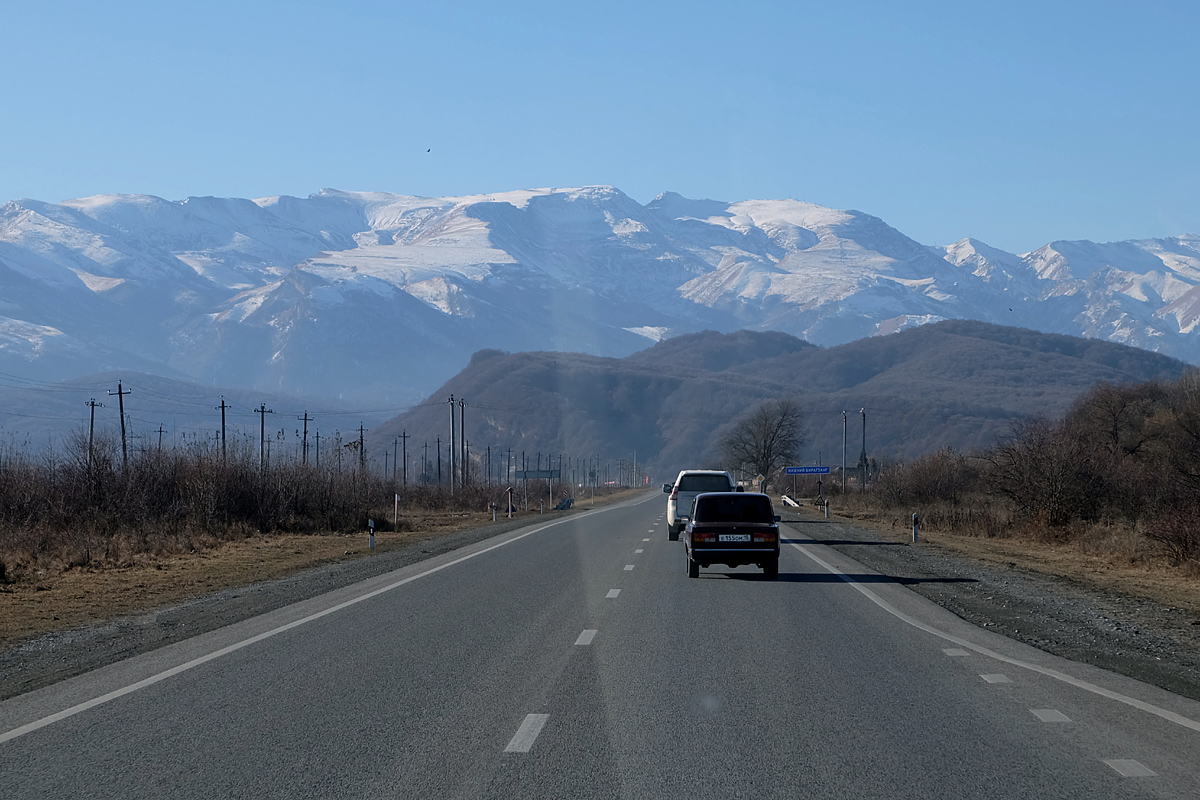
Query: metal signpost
x=794, y=471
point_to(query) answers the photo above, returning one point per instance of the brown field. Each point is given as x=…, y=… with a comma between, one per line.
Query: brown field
x=67, y=598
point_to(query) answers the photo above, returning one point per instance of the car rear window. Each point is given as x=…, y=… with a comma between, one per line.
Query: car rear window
x=704, y=483
x=734, y=508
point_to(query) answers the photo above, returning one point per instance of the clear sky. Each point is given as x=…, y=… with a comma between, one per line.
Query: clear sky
x=1013, y=122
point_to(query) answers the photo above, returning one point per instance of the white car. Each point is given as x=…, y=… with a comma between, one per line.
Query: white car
x=690, y=483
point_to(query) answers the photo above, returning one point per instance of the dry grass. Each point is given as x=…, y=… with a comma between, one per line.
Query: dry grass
x=60, y=597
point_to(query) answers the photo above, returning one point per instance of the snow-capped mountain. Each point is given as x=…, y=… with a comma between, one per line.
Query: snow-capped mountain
x=384, y=296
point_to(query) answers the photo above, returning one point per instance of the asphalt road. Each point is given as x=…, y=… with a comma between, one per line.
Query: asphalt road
x=578, y=660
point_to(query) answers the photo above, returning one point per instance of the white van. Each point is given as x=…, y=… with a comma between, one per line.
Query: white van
x=690, y=483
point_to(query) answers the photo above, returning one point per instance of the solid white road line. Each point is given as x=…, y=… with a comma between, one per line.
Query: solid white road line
x=1049, y=715
x=612, y=593
x=525, y=736
x=224, y=651
x=1128, y=768
x=628, y=567
x=1149, y=708
x=997, y=678
x=586, y=637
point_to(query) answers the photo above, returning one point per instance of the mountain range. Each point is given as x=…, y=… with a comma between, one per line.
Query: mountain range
x=381, y=298
x=955, y=383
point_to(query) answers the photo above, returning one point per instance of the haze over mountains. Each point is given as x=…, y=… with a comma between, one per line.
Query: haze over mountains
x=954, y=383
x=381, y=298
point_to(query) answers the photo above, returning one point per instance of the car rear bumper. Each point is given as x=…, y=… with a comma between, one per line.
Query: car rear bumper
x=732, y=556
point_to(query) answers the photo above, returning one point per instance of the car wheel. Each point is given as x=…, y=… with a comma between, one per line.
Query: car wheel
x=693, y=566
x=771, y=569
x=672, y=533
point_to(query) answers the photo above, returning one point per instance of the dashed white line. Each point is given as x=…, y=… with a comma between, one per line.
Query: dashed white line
x=645, y=540
x=527, y=734
x=586, y=637
x=996, y=678
x=955, y=652
x=1128, y=768
x=1049, y=715
x=628, y=567
x=639, y=550
x=612, y=593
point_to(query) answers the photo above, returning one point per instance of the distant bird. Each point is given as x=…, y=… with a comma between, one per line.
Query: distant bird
x=428, y=149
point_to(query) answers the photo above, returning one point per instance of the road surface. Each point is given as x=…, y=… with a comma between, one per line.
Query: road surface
x=574, y=658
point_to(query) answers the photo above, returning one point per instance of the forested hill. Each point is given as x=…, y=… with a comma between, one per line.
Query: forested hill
x=955, y=383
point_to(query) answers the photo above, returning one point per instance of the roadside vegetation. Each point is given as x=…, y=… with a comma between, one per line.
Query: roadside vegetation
x=1117, y=475
x=83, y=509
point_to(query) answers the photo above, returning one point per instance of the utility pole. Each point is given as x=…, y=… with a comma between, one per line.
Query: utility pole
x=262, y=412
x=318, y=449
x=362, y=451
x=304, y=442
x=395, y=445
x=92, y=430
x=425, y=463
x=120, y=393
x=844, y=429
x=404, y=453
x=439, y=454
x=451, y=449
x=508, y=469
x=466, y=461
x=489, y=465
x=462, y=430
x=863, y=457
x=222, y=407
x=160, y=433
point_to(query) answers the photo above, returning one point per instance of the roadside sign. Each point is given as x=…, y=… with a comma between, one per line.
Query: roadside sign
x=806, y=470
x=760, y=478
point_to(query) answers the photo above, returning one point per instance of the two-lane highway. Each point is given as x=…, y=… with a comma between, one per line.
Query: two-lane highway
x=576, y=659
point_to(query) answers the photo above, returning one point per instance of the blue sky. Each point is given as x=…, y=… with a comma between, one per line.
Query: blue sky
x=1014, y=122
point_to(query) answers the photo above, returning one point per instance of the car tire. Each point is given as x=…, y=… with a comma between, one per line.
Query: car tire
x=693, y=566
x=672, y=533
x=771, y=569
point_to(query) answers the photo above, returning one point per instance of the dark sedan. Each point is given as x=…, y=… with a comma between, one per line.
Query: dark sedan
x=734, y=529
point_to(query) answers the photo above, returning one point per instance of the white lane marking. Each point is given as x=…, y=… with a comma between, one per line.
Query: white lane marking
x=224, y=651
x=645, y=540
x=612, y=593
x=639, y=550
x=955, y=652
x=525, y=736
x=1128, y=768
x=1170, y=716
x=628, y=567
x=586, y=637
x=996, y=678
x=1049, y=715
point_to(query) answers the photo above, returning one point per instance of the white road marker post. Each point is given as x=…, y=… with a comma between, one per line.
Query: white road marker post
x=916, y=526
x=371, y=534
x=826, y=509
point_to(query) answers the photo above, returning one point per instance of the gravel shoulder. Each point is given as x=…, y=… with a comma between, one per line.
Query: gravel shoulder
x=1116, y=630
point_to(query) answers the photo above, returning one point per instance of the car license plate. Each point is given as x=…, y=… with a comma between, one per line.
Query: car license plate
x=734, y=537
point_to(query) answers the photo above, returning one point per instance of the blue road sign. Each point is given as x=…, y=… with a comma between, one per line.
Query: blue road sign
x=807, y=470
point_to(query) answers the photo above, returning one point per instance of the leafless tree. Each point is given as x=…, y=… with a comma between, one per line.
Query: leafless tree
x=766, y=438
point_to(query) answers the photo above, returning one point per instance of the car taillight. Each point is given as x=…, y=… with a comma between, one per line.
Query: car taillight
x=674, y=493
x=701, y=536
x=764, y=537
